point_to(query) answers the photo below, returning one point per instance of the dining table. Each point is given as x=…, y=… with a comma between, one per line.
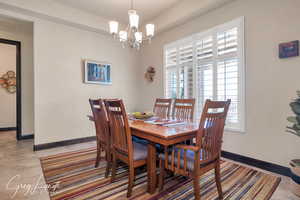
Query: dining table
x=159, y=134
x=163, y=135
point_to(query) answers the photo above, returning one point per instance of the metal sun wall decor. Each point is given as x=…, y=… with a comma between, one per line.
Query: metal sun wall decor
x=150, y=73
x=294, y=128
x=8, y=81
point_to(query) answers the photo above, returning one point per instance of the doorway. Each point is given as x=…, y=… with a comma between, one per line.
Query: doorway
x=11, y=82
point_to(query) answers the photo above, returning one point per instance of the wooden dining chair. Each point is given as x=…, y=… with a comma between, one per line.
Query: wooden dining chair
x=183, y=109
x=102, y=132
x=124, y=149
x=162, y=107
x=196, y=160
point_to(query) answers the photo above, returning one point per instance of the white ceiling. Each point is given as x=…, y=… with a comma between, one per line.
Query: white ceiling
x=117, y=9
x=93, y=15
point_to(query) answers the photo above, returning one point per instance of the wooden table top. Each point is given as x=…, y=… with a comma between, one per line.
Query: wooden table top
x=165, y=132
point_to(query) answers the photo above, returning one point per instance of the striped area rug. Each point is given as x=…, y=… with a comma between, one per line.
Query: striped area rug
x=73, y=176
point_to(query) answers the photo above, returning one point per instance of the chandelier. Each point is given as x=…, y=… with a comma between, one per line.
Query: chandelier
x=131, y=36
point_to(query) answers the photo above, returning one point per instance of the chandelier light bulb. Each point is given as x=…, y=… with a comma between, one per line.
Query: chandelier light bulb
x=133, y=19
x=131, y=36
x=113, y=27
x=150, y=30
x=123, y=36
x=138, y=37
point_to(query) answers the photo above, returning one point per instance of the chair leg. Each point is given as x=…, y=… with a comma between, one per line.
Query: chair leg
x=130, y=181
x=188, y=142
x=114, y=166
x=98, y=156
x=196, y=188
x=161, y=175
x=108, y=164
x=218, y=179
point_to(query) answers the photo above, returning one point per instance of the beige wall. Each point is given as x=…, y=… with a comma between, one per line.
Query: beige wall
x=61, y=97
x=23, y=32
x=271, y=83
x=8, y=100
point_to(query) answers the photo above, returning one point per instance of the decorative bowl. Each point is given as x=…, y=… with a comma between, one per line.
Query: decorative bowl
x=142, y=115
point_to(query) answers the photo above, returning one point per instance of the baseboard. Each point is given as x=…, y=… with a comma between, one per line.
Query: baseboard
x=63, y=143
x=8, y=129
x=26, y=137
x=285, y=171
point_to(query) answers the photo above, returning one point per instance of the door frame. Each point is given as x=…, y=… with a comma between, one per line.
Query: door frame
x=19, y=84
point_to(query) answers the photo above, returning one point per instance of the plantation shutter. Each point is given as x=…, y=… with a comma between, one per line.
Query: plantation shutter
x=227, y=88
x=204, y=48
x=228, y=79
x=209, y=65
x=185, y=71
x=171, y=73
x=227, y=42
x=204, y=74
x=204, y=86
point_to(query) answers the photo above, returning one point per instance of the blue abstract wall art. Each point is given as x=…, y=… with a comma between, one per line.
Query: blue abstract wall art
x=97, y=72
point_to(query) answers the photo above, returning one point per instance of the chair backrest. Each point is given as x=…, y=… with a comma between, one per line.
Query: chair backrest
x=100, y=120
x=162, y=107
x=183, y=109
x=210, y=134
x=119, y=127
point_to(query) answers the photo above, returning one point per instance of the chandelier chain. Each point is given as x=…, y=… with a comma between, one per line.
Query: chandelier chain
x=131, y=5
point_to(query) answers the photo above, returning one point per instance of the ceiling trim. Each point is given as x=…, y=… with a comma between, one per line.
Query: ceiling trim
x=58, y=13
x=185, y=11
x=90, y=22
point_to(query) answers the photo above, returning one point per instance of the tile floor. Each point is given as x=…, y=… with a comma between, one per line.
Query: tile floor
x=21, y=176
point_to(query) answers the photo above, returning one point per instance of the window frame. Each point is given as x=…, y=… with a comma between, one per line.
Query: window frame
x=240, y=24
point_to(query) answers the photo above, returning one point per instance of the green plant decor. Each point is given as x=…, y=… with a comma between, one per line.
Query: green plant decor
x=295, y=120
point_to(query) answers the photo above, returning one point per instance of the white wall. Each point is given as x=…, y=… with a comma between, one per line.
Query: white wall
x=61, y=97
x=271, y=83
x=8, y=100
x=23, y=32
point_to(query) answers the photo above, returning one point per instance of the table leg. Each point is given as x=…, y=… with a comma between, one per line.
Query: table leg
x=151, y=167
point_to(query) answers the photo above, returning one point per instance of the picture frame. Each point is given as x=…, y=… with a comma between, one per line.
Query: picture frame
x=289, y=49
x=96, y=72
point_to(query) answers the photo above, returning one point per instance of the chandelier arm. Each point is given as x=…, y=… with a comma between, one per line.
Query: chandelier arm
x=131, y=35
x=147, y=38
x=116, y=36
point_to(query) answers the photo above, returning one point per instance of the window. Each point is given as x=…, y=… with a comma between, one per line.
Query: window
x=209, y=65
